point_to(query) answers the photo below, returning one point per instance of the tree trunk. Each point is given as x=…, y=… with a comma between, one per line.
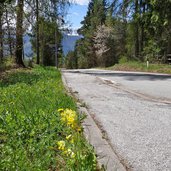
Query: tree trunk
x=169, y=40
x=56, y=48
x=1, y=35
x=142, y=38
x=9, y=34
x=43, y=41
x=19, y=34
x=37, y=33
x=125, y=6
x=136, y=30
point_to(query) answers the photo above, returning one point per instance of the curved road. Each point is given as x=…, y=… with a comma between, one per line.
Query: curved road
x=134, y=109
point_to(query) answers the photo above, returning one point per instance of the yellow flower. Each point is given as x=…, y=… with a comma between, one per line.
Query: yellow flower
x=70, y=153
x=69, y=117
x=61, y=145
x=68, y=137
x=60, y=110
x=79, y=129
x=72, y=141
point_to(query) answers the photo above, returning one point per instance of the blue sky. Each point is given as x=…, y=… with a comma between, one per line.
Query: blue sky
x=77, y=12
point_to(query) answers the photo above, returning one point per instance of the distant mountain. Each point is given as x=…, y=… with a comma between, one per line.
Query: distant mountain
x=68, y=42
x=28, y=52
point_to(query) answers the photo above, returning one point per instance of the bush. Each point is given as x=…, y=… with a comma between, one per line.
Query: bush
x=123, y=60
x=151, y=51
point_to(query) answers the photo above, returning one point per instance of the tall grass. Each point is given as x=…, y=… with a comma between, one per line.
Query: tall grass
x=31, y=127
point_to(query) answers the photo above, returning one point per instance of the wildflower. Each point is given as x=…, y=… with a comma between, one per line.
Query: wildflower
x=70, y=153
x=61, y=145
x=79, y=129
x=72, y=141
x=60, y=110
x=68, y=137
x=69, y=117
x=71, y=120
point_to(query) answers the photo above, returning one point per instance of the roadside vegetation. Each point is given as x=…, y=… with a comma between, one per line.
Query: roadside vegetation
x=140, y=66
x=40, y=128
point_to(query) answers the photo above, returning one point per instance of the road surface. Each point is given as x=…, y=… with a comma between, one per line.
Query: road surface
x=133, y=109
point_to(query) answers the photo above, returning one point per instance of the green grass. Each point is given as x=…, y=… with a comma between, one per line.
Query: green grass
x=139, y=66
x=31, y=127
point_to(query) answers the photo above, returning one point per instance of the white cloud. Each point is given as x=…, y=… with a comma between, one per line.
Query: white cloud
x=81, y=2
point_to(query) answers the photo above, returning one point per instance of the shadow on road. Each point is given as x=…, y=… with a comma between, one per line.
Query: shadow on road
x=128, y=76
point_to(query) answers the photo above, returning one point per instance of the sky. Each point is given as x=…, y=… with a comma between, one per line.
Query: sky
x=77, y=12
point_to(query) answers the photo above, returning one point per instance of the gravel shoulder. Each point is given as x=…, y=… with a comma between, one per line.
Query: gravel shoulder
x=138, y=130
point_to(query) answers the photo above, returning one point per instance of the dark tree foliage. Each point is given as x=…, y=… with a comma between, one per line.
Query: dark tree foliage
x=96, y=16
x=139, y=30
x=16, y=23
x=148, y=28
x=71, y=60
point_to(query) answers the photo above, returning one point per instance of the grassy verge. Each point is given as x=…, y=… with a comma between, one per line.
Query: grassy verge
x=34, y=134
x=138, y=66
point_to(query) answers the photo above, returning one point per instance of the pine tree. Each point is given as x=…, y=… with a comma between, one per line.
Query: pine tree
x=96, y=16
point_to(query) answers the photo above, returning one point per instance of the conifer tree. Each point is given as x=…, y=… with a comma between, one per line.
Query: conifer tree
x=96, y=16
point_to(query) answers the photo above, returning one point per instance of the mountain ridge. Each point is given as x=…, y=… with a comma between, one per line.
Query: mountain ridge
x=68, y=42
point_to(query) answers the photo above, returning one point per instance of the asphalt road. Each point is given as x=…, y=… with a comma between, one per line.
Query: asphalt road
x=157, y=86
x=134, y=109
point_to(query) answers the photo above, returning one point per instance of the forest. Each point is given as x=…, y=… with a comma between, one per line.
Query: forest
x=112, y=31
x=123, y=30
x=42, y=21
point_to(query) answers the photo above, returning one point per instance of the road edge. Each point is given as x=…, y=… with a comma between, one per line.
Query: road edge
x=106, y=156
